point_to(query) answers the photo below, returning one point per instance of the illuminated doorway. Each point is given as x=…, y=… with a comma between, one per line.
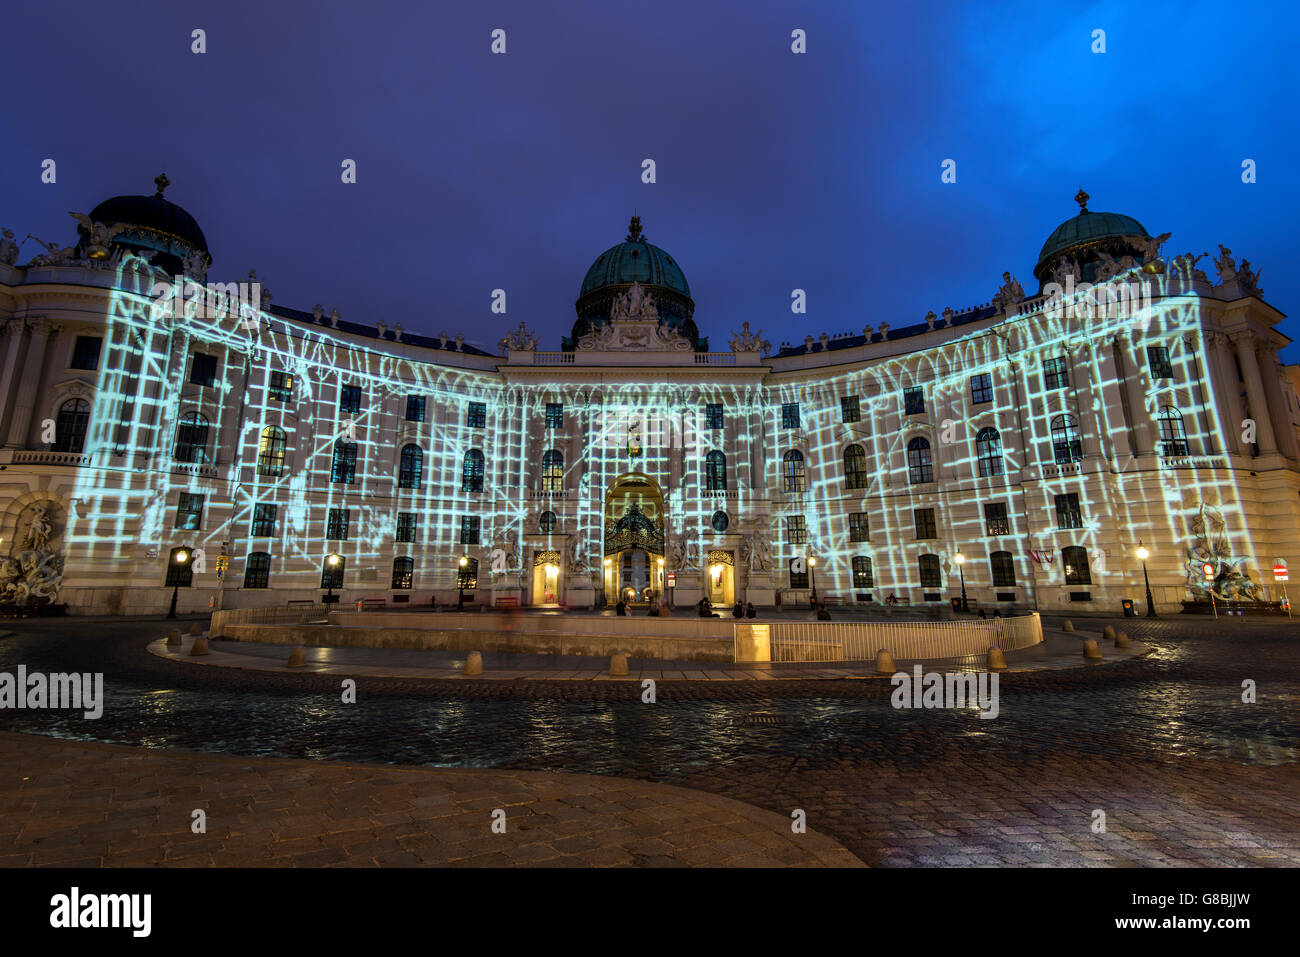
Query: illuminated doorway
x=634, y=540
x=546, y=577
x=722, y=577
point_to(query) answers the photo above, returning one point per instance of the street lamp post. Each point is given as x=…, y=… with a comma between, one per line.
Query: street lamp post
x=460, y=583
x=1142, y=553
x=960, y=559
x=812, y=572
x=333, y=562
x=182, y=557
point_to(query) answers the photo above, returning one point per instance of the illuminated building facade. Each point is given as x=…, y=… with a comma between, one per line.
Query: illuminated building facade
x=287, y=454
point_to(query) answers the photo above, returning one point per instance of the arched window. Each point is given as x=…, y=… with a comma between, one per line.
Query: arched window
x=794, y=474
x=862, y=577
x=553, y=471
x=715, y=471
x=1173, y=437
x=546, y=522
x=855, y=467
x=1075, y=561
x=70, y=426
x=257, y=570
x=1004, y=570
x=344, y=468
x=467, y=574
x=920, y=467
x=471, y=472
x=410, y=467
x=403, y=573
x=270, y=451
x=988, y=451
x=1066, y=446
x=191, y=439
x=929, y=566
x=331, y=575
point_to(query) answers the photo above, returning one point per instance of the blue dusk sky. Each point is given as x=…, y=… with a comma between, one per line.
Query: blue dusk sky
x=775, y=171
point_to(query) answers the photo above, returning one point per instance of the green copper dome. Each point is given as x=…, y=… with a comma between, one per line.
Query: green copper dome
x=635, y=260
x=1087, y=228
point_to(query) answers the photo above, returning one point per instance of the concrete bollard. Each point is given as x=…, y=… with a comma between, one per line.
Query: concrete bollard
x=297, y=657
x=474, y=663
x=1121, y=641
x=1068, y=626
x=200, y=646
x=996, y=660
x=1119, y=635
x=618, y=665
x=884, y=663
x=195, y=629
x=1091, y=651
x=1108, y=632
x=174, y=637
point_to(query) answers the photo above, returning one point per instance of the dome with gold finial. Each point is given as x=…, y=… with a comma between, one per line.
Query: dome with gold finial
x=635, y=260
x=154, y=223
x=1084, y=237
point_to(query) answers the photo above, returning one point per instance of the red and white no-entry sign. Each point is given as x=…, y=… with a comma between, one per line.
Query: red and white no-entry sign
x=1208, y=569
x=1280, y=572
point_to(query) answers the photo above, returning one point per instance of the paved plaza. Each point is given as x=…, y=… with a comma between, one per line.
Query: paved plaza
x=1184, y=772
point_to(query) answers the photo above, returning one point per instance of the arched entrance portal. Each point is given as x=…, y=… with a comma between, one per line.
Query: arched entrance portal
x=634, y=540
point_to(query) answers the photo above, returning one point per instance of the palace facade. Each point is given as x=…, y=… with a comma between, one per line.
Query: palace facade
x=163, y=433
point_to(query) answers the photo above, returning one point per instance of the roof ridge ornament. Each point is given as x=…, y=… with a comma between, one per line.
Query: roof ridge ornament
x=162, y=182
x=1082, y=199
x=634, y=234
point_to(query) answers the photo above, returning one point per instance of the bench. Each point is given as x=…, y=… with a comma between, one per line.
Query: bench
x=365, y=603
x=834, y=600
x=508, y=601
x=302, y=601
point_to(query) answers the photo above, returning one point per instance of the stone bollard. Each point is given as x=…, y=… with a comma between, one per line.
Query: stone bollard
x=1121, y=641
x=996, y=660
x=195, y=629
x=1108, y=632
x=474, y=663
x=174, y=637
x=1119, y=635
x=200, y=646
x=297, y=657
x=618, y=665
x=1091, y=651
x=884, y=663
x=1068, y=626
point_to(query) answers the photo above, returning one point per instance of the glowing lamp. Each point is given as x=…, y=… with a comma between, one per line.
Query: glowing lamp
x=812, y=563
x=182, y=557
x=332, y=560
x=1142, y=553
x=959, y=558
x=463, y=561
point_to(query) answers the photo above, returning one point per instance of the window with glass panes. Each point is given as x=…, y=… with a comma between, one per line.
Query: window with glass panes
x=858, y=530
x=849, y=411
x=554, y=415
x=713, y=415
x=790, y=415
x=476, y=415
x=85, y=354
x=257, y=570
x=981, y=388
x=1056, y=374
x=263, y=520
x=405, y=527
x=469, y=526
x=924, y=521
x=1158, y=362
x=350, y=399
x=336, y=525
x=281, y=386
x=913, y=400
x=862, y=577
x=796, y=530
x=1068, y=514
x=415, y=408
x=995, y=519
x=189, y=511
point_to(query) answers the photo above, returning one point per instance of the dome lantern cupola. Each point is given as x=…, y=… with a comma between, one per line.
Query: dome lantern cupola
x=155, y=223
x=1089, y=238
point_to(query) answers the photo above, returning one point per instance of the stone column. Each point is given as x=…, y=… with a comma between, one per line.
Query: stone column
x=1192, y=342
x=1083, y=373
x=1227, y=390
x=1139, y=414
x=11, y=345
x=30, y=380
x=1255, y=397
x=1271, y=372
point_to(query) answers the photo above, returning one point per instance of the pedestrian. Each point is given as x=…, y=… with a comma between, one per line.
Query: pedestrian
x=738, y=611
x=751, y=611
x=982, y=615
x=621, y=607
x=822, y=613
x=997, y=613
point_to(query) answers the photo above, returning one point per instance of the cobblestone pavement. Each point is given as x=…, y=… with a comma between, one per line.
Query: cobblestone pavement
x=1185, y=772
x=73, y=804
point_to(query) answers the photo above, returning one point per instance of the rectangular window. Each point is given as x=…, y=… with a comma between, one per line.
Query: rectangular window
x=350, y=399
x=796, y=530
x=849, y=409
x=981, y=388
x=415, y=408
x=713, y=415
x=995, y=519
x=476, y=415
x=798, y=573
x=469, y=529
x=336, y=529
x=858, y=531
x=790, y=415
x=85, y=354
x=862, y=577
x=405, y=526
x=263, y=520
x=555, y=415
x=189, y=511
x=1158, y=361
x=403, y=573
x=1004, y=571
x=1068, y=514
x=203, y=369
x=281, y=387
x=913, y=400
x=343, y=470
x=257, y=570
x=1056, y=375
x=925, y=527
